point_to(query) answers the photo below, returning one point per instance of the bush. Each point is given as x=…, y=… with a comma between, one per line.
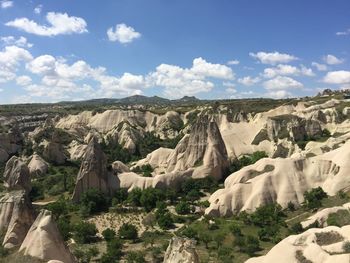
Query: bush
x=84, y=232
x=268, y=232
x=120, y=196
x=135, y=257
x=205, y=238
x=108, y=234
x=150, y=197
x=135, y=196
x=93, y=201
x=313, y=198
x=267, y=215
x=291, y=206
x=113, y=253
x=296, y=228
x=146, y=170
x=183, y=208
x=235, y=230
x=64, y=227
x=252, y=245
x=190, y=233
x=346, y=247
x=128, y=231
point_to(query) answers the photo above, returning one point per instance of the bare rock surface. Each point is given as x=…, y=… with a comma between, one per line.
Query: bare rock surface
x=37, y=166
x=16, y=217
x=93, y=171
x=314, y=245
x=44, y=240
x=181, y=250
x=16, y=175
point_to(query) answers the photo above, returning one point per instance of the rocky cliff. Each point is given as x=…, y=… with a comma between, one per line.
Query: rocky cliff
x=181, y=250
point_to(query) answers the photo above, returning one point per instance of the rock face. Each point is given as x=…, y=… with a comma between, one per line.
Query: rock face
x=93, y=172
x=37, y=166
x=321, y=217
x=315, y=245
x=282, y=181
x=16, y=217
x=16, y=175
x=44, y=240
x=203, y=149
x=181, y=250
x=53, y=152
x=10, y=143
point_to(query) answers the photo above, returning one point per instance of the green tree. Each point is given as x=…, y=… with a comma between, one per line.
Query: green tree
x=128, y=231
x=108, y=234
x=183, y=208
x=93, y=201
x=84, y=232
x=313, y=198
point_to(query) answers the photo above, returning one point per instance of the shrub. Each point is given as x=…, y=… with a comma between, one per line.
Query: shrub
x=183, y=208
x=135, y=257
x=296, y=228
x=127, y=231
x=84, y=232
x=346, y=247
x=150, y=197
x=291, y=206
x=108, y=234
x=313, y=198
x=235, y=230
x=113, y=253
x=267, y=215
x=205, y=238
x=252, y=245
x=190, y=233
x=93, y=201
x=64, y=227
x=135, y=196
x=120, y=196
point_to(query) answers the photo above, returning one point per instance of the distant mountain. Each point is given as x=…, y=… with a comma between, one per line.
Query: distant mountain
x=140, y=99
x=188, y=99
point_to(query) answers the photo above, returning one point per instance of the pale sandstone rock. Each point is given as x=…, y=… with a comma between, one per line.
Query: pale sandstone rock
x=16, y=175
x=181, y=250
x=44, y=240
x=37, y=166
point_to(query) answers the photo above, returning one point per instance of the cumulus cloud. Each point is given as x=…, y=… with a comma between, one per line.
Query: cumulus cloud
x=20, y=42
x=283, y=69
x=332, y=60
x=249, y=81
x=282, y=83
x=319, y=67
x=6, y=4
x=38, y=9
x=233, y=62
x=23, y=80
x=122, y=33
x=273, y=58
x=279, y=94
x=337, y=77
x=10, y=57
x=59, y=24
x=179, y=81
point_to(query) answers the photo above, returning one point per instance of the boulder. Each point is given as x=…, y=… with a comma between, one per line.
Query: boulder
x=44, y=241
x=16, y=175
x=16, y=217
x=37, y=166
x=181, y=250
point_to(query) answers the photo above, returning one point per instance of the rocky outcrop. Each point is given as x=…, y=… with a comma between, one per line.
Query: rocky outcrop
x=93, y=172
x=16, y=217
x=54, y=153
x=315, y=245
x=10, y=143
x=119, y=167
x=181, y=250
x=16, y=175
x=282, y=181
x=203, y=149
x=322, y=216
x=44, y=241
x=37, y=166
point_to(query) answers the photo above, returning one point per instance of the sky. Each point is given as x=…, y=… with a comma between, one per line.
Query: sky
x=213, y=49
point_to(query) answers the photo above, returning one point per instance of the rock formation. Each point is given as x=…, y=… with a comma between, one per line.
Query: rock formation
x=16, y=217
x=322, y=216
x=93, y=172
x=37, y=166
x=54, y=153
x=10, y=143
x=315, y=245
x=181, y=250
x=16, y=175
x=44, y=240
x=282, y=181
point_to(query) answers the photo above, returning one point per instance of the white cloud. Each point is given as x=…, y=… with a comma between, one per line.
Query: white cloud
x=233, y=62
x=23, y=80
x=249, y=81
x=20, y=42
x=320, y=67
x=282, y=83
x=1, y=90
x=332, y=60
x=279, y=94
x=283, y=69
x=38, y=9
x=123, y=34
x=273, y=58
x=179, y=81
x=6, y=4
x=10, y=58
x=337, y=77
x=343, y=33
x=60, y=23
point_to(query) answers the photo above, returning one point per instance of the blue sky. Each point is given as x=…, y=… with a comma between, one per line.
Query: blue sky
x=72, y=50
